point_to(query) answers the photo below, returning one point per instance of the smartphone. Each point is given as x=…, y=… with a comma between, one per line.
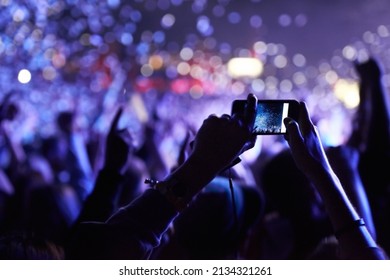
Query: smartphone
x=270, y=114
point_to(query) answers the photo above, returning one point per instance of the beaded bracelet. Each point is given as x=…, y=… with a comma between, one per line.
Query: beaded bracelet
x=173, y=192
x=351, y=226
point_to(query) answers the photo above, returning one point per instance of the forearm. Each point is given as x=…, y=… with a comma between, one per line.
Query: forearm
x=334, y=197
x=354, y=240
x=354, y=189
x=189, y=178
x=131, y=233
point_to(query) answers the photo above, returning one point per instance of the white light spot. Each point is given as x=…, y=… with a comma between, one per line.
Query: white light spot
x=24, y=76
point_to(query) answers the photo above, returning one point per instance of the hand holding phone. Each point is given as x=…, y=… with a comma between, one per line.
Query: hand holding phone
x=270, y=114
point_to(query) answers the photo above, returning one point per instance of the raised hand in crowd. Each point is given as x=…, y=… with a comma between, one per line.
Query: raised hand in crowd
x=136, y=229
x=355, y=240
x=103, y=200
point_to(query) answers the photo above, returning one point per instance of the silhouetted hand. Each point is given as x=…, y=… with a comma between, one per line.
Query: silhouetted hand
x=118, y=145
x=221, y=140
x=305, y=143
x=184, y=149
x=368, y=70
x=354, y=237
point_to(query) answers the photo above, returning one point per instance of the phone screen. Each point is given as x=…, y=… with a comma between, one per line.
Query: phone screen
x=270, y=115
x=269, y=118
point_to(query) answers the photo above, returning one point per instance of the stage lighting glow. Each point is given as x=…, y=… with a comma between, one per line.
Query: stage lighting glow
x=245, y=67
x=348, y=92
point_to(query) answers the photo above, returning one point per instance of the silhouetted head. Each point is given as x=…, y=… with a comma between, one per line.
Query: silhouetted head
x=65, y=121
x=28, y=246
x=10, y=112
x=291, y=194
x=55, y=150
x=207, y=229
x=288, y=190
x=51, y=210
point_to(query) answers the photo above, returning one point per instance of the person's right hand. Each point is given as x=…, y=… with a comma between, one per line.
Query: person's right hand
x=118, y=145
x=305, y=144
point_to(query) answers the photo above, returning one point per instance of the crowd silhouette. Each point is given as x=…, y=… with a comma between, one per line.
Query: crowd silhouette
x=73, y=197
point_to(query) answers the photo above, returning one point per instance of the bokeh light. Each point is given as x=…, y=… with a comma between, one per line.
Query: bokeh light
x=24, y=76
x=184, y=56
x=245, y=67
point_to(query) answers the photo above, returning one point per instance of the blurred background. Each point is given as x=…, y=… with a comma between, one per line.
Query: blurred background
x=179, y=61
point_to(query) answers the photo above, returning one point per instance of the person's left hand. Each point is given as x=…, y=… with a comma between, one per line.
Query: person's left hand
x=220, y=140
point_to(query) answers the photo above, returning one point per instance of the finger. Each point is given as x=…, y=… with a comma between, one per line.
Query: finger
x=251, y=142
x=250, y=110
x=305, y=124
x=211, y=118
x=226, y=116
x=115, y=121
x=183, y=147
x=293, y=135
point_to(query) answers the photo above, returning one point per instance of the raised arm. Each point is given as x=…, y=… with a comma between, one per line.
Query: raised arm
x=102, y=202
x=355, y=241
x=136, y=229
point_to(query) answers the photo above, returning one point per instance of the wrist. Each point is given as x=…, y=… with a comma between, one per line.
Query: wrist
x=173, y=191
x=185, y=182
x=208, y=164
x=350, y=227
x=197, y=171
